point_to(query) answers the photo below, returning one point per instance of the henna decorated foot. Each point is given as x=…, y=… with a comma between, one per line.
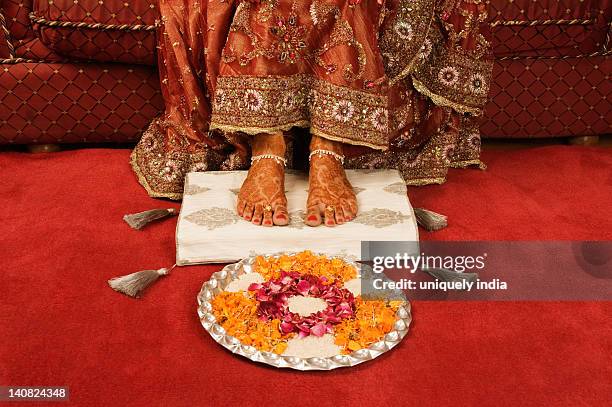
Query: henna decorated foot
x=262, y=198
x=331, y=199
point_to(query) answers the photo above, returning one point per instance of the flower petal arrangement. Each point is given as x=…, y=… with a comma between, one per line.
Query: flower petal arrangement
x=260, y=314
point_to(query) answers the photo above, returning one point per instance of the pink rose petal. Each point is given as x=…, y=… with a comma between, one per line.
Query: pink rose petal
x=303, y=287
x=254, y=286
x=286, y=327
x=318, y=330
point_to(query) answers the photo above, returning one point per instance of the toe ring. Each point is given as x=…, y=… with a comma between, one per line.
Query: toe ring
x=330, y=209
x=268, y=208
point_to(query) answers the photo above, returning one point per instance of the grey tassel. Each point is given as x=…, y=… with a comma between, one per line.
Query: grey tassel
x=429, y=220
x=134, y=284
x=449, y=275
x=141, y=219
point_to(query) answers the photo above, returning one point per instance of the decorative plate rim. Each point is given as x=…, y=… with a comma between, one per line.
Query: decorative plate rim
x=220, y=279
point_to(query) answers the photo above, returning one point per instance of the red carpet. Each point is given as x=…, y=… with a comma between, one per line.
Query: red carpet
x=62, y=237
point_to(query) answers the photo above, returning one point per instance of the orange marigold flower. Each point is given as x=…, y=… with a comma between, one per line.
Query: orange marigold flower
x=237, y=314
x=372, y=321
x=305, y=262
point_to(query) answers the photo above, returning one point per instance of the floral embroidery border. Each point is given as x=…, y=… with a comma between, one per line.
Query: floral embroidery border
x=253, y=105
x=450, y=77
x=405, y=34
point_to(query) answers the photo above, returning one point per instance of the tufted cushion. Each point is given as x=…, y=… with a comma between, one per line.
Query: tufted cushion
x=67, y=103
x=101, y=30
x=528, y=28
x=17, y=20
x=16, y=36
x=550, y=97
x=539, y=90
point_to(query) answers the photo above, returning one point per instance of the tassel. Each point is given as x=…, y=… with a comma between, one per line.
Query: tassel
x=451, y=276
x=134, y=284
x=429, y=220
x=141, y=219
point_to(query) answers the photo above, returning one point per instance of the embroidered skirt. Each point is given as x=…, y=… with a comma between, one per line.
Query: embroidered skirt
x=401, y=83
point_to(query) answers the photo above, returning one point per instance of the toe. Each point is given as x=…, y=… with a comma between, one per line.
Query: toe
x=313, y=216
x=348, y=214
x=240, y=207
x=340, y=216
x=257, y=214
x=353, y=207
x=330, y=218
x=267, y=218
x=281, y=217
x=247, y=213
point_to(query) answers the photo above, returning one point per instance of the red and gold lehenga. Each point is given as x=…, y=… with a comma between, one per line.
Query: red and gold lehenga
x=401, y=83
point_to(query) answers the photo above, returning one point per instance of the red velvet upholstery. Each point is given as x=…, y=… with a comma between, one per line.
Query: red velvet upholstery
x=132, y=42
x=550, y=98
x=549, y=28
x=551, y=77
x=537, y=90
x=17, y=19
x=34, y=49
x=67, y=103
x=24, y=42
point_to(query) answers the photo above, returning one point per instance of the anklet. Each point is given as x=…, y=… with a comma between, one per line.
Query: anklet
x=321, y=152
x=277, y=158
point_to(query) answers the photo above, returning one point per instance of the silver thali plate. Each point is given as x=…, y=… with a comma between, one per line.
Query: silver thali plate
x=219, y=280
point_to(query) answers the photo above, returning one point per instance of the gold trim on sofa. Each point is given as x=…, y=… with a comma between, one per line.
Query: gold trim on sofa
x=593, y=54
x=605, y=51
x=7, y=35
x=531, y=23
x=4, y=61
x=93, y=26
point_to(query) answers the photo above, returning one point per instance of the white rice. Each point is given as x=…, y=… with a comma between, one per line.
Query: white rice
x=354, y=286
x=312, y=347
x=243, y=282
x=305, y=306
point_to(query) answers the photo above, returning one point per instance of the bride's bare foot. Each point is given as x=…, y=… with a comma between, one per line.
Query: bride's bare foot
x=262, y=196
x=331, y=198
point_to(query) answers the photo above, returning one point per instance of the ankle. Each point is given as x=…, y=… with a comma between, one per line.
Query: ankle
x=269, y=143
x=320, y=143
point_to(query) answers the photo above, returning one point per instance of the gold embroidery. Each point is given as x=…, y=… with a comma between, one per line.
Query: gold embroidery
x=454, y=79
x=429, y=164
x=290, y=38
x=398, y=188
x=469, y=163
x=265, y=104
x=442, y=69
x=321, y=12
x=195, y=189
x=213, y=218
x=418, y=182
x=290, y=44
x=241, y=24
x=342, y=34
x=265, y=12
x=380, y=217
x=161, y=170
x=403, y=35
x=443, y=101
